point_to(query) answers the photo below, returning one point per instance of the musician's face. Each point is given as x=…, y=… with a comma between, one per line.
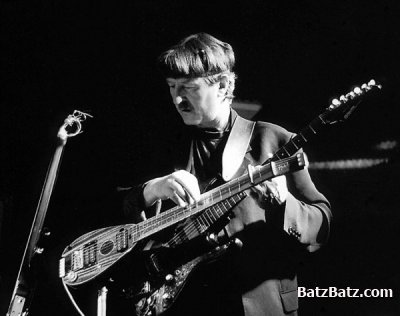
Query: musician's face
x=198, y=102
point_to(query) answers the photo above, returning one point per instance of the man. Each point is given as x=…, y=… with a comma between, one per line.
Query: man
x=273, y=225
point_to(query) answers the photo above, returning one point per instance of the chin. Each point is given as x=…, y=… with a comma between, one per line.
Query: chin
x=190, y=121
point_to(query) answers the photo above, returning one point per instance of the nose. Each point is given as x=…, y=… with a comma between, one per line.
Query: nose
x=177, y=95
x=177, y=99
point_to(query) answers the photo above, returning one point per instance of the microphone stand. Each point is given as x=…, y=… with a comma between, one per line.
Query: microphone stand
x=24, y=286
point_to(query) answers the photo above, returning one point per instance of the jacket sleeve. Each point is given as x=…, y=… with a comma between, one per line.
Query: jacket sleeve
x=133, y=205
x=307, y=213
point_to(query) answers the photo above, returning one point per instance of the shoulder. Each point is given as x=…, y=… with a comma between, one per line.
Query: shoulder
x=267, y=138
x=272, y=132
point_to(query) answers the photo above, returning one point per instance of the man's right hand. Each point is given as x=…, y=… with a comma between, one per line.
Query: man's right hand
x=181, y=187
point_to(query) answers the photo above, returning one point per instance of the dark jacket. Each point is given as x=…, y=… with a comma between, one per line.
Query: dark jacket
x=273, y=237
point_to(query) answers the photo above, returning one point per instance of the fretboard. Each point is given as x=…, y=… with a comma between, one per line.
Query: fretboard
x=299, y=140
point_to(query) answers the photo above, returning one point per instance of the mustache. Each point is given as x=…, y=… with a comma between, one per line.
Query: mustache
x=184, y=105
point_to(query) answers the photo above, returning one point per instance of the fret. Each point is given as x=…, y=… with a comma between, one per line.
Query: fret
x=222, y=207
x=316, y=125
x=207, y=219
x=229, y=204
x=281, y=154
x=197, y=225
x=297, y=140
x=312, y=129
x=188, y=234
x=285, y=150
x=210, y=199
x=213, y=212
x=294, y=145
x=210, y=214
x=302, y=136
x=226, y=192
x=203, y=225
x=202, y=220
x=291, y=148
x=219, y=211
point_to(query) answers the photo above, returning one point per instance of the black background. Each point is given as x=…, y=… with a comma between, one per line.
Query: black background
x=292, y=57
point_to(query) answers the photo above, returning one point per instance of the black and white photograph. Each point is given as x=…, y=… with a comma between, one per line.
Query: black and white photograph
x=194, y=158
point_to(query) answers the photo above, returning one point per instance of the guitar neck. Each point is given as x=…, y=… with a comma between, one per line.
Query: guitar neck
x=229, y=193
x=299, y=140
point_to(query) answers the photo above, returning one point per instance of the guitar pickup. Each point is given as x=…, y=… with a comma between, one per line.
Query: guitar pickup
x=90, y=253
x=85, y=257
x=122, y=240
x=77, y=260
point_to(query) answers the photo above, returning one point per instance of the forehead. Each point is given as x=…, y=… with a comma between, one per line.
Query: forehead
x=185, y=80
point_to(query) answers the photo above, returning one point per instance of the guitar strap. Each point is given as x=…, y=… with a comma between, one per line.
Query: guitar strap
x=236, y=147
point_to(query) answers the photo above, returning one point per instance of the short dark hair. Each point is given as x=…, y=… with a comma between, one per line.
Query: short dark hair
x=198, y=55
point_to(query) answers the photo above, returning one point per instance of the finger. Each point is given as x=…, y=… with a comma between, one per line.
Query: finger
x=178, y=190
x=189, y=184
x=281, y=186
x=279, y=181
x=177, y=199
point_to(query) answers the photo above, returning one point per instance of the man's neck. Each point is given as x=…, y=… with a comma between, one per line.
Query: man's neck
x=222, y=120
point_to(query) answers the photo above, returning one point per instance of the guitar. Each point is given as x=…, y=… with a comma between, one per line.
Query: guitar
x=95, y=252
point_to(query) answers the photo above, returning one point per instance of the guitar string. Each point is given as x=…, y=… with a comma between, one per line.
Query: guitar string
x=186, y=232
x=212, y=195
x=191, y=227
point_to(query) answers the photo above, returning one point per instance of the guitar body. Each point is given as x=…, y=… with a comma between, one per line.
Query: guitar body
x=163, y=292
x=93, y=253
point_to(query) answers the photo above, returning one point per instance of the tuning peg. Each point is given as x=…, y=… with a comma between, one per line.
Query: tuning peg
x=238, y=243
x=357, y=91
x=39, y=250
x=372, y=83
x=351, y=95
x=334, y=104
x=46, y=232
x=212, y=239
x=169, y=278
x=343, y=98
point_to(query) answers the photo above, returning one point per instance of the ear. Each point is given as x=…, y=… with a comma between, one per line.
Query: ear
x=223, y=85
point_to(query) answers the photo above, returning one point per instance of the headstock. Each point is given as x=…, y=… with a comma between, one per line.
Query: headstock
x=340, y=109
